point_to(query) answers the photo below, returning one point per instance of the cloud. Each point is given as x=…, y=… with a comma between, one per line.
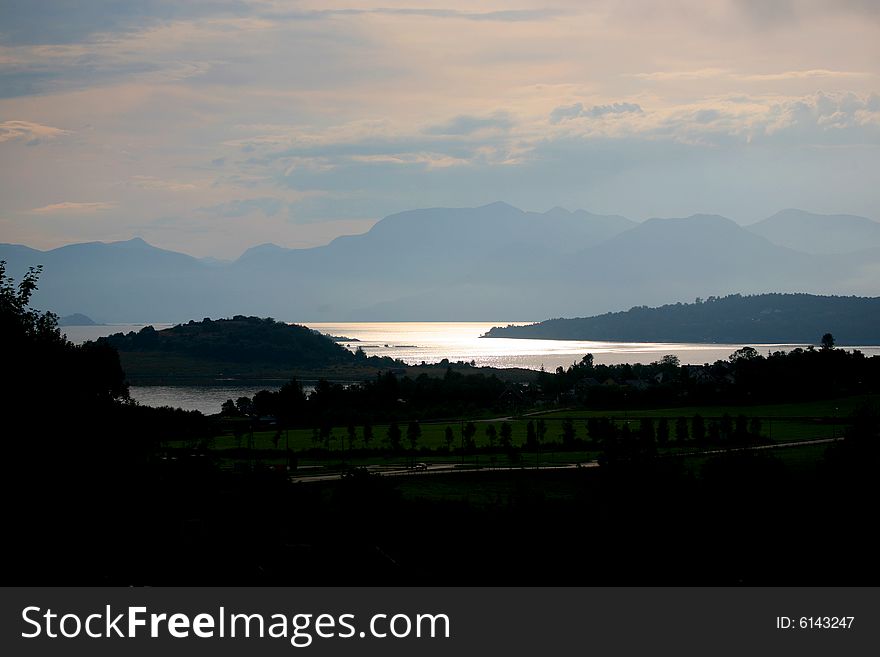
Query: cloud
x=62, y=21
x=267, y=206
x=73, y=207
x=697, y=74
x=502, y=15
x=430, y=160
x=823, y=118
x=577, y=110
x=709, y=73
x=839, y=118
x=244, y=107
x=800, y=75
x=32, y=133
x=765, y=14
x=156, y=184
x=466, y=125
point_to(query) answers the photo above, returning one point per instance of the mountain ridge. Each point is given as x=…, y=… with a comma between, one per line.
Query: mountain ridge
x=446, y=264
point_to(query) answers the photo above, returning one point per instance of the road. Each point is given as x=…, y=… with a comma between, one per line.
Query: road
x=451, y=468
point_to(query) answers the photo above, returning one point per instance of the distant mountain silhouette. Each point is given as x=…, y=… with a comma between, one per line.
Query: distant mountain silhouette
x=76, y=319
x=654, y=262
x=819, y=233
x=765, y=318
x=487, y=263
x=120, y=281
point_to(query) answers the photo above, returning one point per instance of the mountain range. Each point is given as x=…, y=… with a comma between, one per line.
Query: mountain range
x=487, y=263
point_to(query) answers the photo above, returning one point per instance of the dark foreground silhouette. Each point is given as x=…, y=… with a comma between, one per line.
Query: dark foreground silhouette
x=91, y=500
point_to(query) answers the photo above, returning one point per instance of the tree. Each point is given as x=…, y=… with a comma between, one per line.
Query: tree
x=291, y=402
x=470, y=431
x=646, y=430
x=264, y=403
x=681, y=430
x=228, y=408
x=663, y=431
x=531, y=437
x=449, y=437
x=413, y=433
x=326, y=434
x=698, y=428
x=827, y=342
x=726, y=428
x=568, y=432
x=368, y=435
x=394, y=436
x=755, y=427
x=744, y=354
x=352, y=434
x=541, y=430
x=16, y=318
x=506, y=435
x=244, y=405
x=491, y=435
x=36, y=354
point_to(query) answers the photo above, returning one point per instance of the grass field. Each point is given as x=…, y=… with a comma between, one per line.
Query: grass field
x=779, y=423
x=497, y=490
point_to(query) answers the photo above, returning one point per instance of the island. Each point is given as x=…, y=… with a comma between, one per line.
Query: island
x=259, y=350
x=733, y=319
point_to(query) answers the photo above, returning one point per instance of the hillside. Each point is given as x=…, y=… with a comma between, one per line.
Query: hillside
x=455, y=264
x=76, y=319
x=241, y=347
x=736, y=319
x=819, y=233
x=255, y=350
x=237, y=340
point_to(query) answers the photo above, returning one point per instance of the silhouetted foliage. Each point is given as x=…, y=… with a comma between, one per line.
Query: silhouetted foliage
x=827, y=341
x=394, y=437
x=662, y=431
x=681, y=430
x=244, y=340
x=698, y=428
x=760, y=318
x=413, y=433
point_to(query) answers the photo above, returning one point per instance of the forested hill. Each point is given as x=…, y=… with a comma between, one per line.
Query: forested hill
x=238, y=340
x=737, y=319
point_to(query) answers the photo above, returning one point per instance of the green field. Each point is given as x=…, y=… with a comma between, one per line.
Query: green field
x=779, y=423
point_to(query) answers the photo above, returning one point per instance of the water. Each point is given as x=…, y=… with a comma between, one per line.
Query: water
x=207, y=399
x=415, y=342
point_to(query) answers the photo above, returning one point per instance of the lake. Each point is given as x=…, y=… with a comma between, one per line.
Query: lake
x=415, y=342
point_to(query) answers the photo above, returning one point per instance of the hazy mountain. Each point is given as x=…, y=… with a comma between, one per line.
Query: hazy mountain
x=819, y=233
x=488, y=263
x=76, y=319
x=129, y=281
x=654, y=262
x=765, y=318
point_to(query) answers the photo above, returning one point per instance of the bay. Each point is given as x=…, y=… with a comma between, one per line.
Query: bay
x=431, y=342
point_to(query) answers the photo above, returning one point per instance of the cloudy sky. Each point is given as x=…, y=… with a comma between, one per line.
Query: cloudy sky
x=211, y=126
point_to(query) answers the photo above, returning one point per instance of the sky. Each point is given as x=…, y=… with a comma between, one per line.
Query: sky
x=210, y=126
